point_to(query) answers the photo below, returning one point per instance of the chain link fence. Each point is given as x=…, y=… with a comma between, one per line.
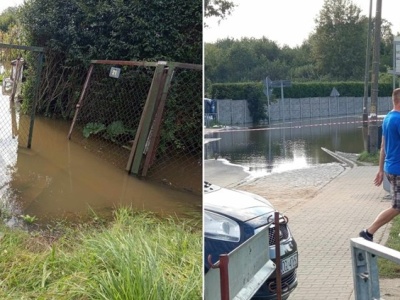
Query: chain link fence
x=17, y=63
x=115, y=105
x=178, y=161
x=110, y=109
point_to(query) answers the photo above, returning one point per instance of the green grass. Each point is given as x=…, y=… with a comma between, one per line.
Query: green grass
x=136, y=256
x=369, y=158
x=387, y=268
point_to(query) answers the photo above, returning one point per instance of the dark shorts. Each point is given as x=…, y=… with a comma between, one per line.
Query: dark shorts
x=395, y=188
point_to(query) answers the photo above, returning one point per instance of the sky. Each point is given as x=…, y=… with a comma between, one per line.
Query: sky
x=287, y=22
x=7, y=3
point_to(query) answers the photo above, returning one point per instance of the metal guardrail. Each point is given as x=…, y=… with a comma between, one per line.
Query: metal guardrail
x=240, y=273
x=365, y=267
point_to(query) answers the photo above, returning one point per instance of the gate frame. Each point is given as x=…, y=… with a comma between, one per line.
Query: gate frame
x=39, y=65
x=152, y=117
x=149, y=127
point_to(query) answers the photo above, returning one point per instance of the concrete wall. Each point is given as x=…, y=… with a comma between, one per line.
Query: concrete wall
x=236, y=112
x=233, y=112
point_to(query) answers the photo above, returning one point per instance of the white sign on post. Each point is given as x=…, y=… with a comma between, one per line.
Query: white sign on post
x=114, y=72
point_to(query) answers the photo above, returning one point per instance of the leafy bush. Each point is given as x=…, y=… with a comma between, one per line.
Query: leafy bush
x=93, y=128
x=239, y=91
x=111, y=132
x=76, y=32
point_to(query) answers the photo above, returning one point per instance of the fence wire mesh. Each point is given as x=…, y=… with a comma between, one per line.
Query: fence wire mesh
x=178, y=160
x=110, y=111
x=16, y=66
x=110, y=114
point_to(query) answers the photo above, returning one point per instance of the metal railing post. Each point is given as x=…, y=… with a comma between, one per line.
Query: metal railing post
x=365, y=267
x=365, y=275
x=224, y=276
x=278, y=258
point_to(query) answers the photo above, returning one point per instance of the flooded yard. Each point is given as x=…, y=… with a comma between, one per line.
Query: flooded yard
x=59, y=178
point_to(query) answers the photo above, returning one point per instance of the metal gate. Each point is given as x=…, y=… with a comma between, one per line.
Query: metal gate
x=144, y=117
x=17, y=63
x=17, y=109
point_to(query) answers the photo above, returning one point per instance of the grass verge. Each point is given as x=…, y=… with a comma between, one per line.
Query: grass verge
x=387, y=269
x=136, y=256
x=369, y=158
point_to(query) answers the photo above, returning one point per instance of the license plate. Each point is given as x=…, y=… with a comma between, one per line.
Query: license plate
x=289, y=263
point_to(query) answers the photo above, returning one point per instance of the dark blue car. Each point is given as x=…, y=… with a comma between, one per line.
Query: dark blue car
x=231, y=217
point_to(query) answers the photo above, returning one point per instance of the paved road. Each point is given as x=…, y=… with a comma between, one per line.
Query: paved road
x=323, y=227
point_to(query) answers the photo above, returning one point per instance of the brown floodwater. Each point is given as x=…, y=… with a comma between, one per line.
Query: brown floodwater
x=58, y=178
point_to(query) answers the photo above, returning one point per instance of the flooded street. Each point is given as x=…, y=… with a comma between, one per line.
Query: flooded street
x=58, y=178
x=286, y=146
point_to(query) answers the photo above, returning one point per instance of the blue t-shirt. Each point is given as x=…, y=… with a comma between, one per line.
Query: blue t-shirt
x=391, y=132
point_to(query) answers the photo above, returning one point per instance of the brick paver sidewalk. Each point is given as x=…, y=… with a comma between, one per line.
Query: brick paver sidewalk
x=323, y=227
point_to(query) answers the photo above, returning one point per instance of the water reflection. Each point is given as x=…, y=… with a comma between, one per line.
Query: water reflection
x=288, y=146
x=58, y=178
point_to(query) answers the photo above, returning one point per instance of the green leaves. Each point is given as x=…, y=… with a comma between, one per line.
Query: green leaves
x=156, y=30
x=93, y=128
x=338, y=46
x=218, y=8
x=116, y=129
x=110, y=132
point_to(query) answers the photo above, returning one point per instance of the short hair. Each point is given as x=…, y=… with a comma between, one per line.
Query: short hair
x=396, y=95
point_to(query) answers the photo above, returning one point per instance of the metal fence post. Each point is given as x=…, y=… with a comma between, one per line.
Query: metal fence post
x=39, y=65
x=278, y=257
x=36, y=99
x=82, y=96
x=138, y=146
x=224, y=276
x=165, y=83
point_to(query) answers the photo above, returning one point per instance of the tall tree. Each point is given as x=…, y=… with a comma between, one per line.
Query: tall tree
x=218, y=8
x=10, y=33
x=247, y=59
x=8, y=18
x=338, y=45
x=386, y=58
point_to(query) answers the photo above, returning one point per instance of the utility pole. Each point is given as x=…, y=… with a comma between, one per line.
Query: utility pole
x=366, y=80
x=373, y=128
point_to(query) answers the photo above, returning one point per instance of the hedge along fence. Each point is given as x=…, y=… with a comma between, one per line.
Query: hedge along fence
x=250, y=91
x=245, y=90
x=253, y=92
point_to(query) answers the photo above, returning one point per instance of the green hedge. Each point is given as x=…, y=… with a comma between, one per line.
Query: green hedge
x=250, y=91
x=243, y=91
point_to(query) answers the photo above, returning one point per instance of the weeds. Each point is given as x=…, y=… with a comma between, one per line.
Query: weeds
x=137, y=256
x=369, y=158
x=388, y=269
x=29, y=219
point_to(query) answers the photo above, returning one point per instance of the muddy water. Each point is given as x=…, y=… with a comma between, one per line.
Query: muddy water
x=289, y=146
x=58, y=178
